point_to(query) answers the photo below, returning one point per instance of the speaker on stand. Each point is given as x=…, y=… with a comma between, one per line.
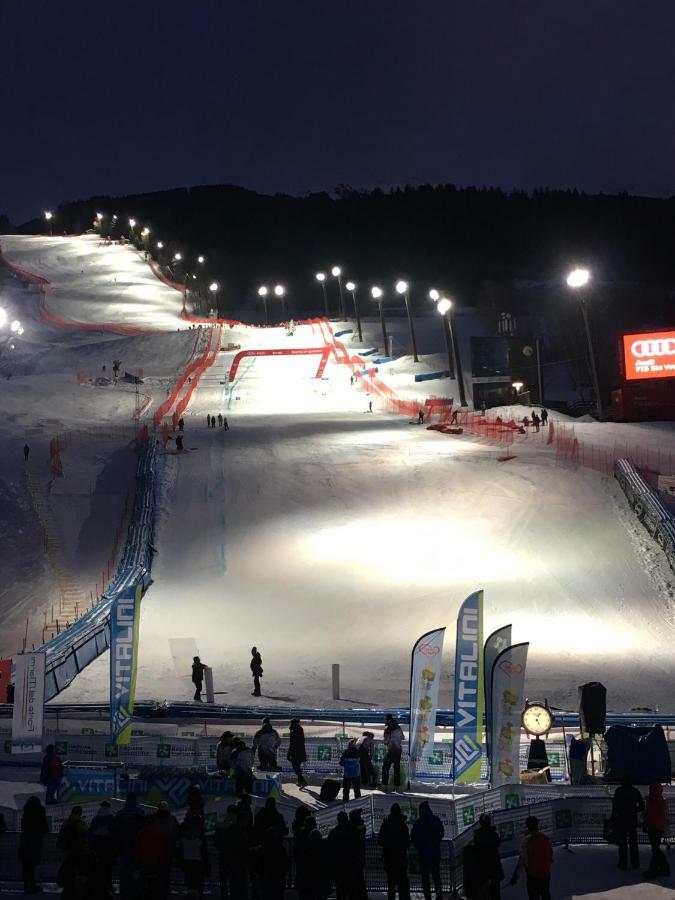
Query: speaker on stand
x=593, y=712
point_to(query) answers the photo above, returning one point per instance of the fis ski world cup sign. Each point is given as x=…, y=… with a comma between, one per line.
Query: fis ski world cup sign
x=124, y=627
x=29, y=703
x=469, y=690
x=425, y=679
x=649, y=355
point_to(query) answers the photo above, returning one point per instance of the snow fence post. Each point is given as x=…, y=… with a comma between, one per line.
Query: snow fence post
x=208, y=684
x=336, y=681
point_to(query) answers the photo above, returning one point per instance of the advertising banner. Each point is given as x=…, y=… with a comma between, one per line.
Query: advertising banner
x=499, y=640
x=468, y=741
x=125, y=618
x=425, y=678
x=649, y=355
x=508, y=700
x=29, y=703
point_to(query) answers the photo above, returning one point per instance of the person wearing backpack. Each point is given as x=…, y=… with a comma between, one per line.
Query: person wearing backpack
x=351, y=765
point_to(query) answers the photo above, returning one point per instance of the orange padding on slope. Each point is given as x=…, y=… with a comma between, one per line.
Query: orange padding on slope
x=157, y=272
x=184, y=401
x=196, y=369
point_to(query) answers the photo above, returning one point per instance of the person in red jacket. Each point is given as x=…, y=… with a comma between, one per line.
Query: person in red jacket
x=656, y=822
x=536, y=857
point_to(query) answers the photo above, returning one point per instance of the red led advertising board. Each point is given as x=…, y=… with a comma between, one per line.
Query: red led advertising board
x=650, y=355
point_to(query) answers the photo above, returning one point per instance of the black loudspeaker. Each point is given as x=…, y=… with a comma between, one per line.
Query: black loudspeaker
x=593, y=707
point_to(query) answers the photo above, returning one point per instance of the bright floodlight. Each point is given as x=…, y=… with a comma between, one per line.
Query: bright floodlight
x=443, y=305
x=434, y=295
x=335, y=271
x=160, y=245
x=49, y=215
x=132, y=222
x=3, y=316
x=20, y=330
x=15, y=325
x=320, y=276
x=262, y=291
x=376, y=292
x=518, y=386
x=99, y=216
x=350, y=286
x=213, y=286
x=146, y=231
x=114, y=217
x=200, y=259
x=279, y=290
x=177, y=256
x=578, y=278
x=401, y=287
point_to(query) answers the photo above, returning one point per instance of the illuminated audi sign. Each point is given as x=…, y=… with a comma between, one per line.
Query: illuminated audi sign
x=650, y=355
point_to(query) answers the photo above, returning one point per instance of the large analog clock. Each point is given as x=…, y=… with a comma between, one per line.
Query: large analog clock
x=537, y=719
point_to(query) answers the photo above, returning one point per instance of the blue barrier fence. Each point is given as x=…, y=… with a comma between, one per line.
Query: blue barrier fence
x=73, y=649
x=430, y=376
x=648, y=507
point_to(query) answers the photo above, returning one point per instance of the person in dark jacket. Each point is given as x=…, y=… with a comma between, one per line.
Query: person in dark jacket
x=256, y=670
x=351, y=765
x=220, y=420
x=26, y=452
x=342, y=851
x=267, y=741
x=426, y=836
x=544, y=416
x=626, y=804
x=297, y=755
x=656, y=822
x=365, y=745
x=301, y=815
x=78, y=875
x=268, y=817
x=156, y=846
x=181, y=424
x=356, y=823
x=198, y=677
x=393, y=741
x=231, y=840
x=316, y=882
x=224, y=752
x=489, y=869
x=128, y=822
x=34, y=826
x=242, y=766
x=51, y=773
x=273, y=866
x=536, y=858
x=101, y=843
x=395, y=840
x=73, y=832
x=194, y=853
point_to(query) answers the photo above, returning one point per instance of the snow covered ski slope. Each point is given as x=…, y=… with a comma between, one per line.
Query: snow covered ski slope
x=323, y=533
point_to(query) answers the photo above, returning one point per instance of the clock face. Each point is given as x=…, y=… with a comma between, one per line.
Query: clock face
x=537, y=719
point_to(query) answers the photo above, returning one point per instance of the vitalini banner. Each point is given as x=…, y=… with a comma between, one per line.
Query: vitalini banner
x=425, y=678
x=468, y=740
x=125, y=618
x=499, y=640
x=29, y=703
x=508, y=700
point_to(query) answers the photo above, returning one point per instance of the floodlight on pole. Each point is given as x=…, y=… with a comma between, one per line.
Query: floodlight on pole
x=434, y=295
x=49, y=216
x=321, y=278
x=262, y=293
x=201, y=259
x=351, y=287
x=160, y=245
x=15, y=325
x=20, y=330
x=444, y=305
x=99, y=216
x=145, y=232
x=336, y=272
x=578, y=279
x=377, y=294
x=132, y=223
x=177, y=257
x=279, y=291
x=402, y=287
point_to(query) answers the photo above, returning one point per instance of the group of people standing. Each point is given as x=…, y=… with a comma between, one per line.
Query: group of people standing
x=222, y=421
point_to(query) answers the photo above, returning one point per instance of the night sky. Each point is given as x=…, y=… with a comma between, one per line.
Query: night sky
x=302, y=95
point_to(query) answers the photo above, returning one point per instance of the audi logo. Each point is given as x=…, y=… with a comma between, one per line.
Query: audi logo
x=659, y=347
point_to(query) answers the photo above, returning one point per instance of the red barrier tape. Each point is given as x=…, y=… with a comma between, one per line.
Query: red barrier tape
x=196, y=368
x=286, y=351
x=208, y=362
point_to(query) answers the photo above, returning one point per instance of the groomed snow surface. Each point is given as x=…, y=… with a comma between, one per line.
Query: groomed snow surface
x=326, y=534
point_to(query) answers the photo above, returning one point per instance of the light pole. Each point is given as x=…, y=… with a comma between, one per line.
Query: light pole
x=351, y=287
x=279, y=292
x=444, y=308
x=262, y=293
x=336, y=272
x=49, y=216
x=377, y=294
x=402, y=288
x=132, y=225
x=321, y=278
x=214, y=287
x=577, y=280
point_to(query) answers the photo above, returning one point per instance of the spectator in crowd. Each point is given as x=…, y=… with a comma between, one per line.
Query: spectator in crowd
x=342, y=851
x=267, y=742
x=393, y=741
x=268, y=817
x=544, y=416
x=536, y=857
x=231, y=840
x=195, y=802
x=78, y=874
x=224, y=752
x=272, y=865
x=656, y=823
x=73, y=832
x=51, y=773
x=626, y=804
x=156, y=846
x=297, y=755
x=198, y=677
x=128, y=822
x=26, y=452
x=395, y=840
x=301, y=815
x=426, y=836
x=489, y=871
x=101, y=843
x=317, y=882
x=242, y=765
x=366, y=746
x=356, y=823
x=34, y=826
x=194, y=853
x=256, y=670
x=535, y=420
x=351, y=767
x=220, y=420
